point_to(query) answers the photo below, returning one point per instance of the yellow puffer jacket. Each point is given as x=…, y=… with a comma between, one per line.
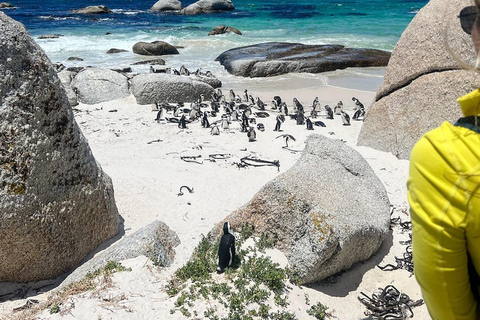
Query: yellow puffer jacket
x=444, y=197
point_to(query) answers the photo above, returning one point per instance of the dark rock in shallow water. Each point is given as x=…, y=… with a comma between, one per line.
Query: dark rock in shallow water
x=50, y=36
x=115, y=50
x=275, y=58
x=152, y=62
x=224, y=29
x=93, y=10
x=74, y=59
x=156, y=48
x=75, y=69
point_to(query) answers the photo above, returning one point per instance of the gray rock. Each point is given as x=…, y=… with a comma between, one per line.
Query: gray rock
x=155, y=241
x=214, y=82
x=93, y=10
x=115, y=50
x=66, y=77
x=160, y=87
x=207, y=6
x=167, y=5
x=5, y=5
x=95, y=85
x=56, y=203
x=74, y=59
x=275, y=58
x=50, y=36
x=329, y=210
x=427, y=55
x=224, y=29
x=151, y=62
x=156, y=48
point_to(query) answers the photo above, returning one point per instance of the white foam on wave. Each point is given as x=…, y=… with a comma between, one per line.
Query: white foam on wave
x=58, y=18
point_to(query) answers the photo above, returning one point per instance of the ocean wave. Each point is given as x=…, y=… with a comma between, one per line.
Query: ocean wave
x=57, y=18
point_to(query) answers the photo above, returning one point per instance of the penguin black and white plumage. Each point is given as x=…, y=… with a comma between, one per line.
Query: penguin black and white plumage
x=309, y=124
x=238, y=99
x=280, y=120
x=245, y=125
x=300, y=118
x=232, y=95
x=225, y=124
x=260, y=104
x=329, y=112
x=358, y=103
x=338, y=108
x=159, y=114
x=319, y=124
x=278, y=100
x=358, y=114
x=251, y=134
x=182, y=124
x=251, y=99
x=184, y=71
x=205, y=122
x=215, y=131
x=298, y=105
x=274, y=105
x=345, y=118
x=261, y=127
x=283, y=108
x=245, y=95
x=226, y=250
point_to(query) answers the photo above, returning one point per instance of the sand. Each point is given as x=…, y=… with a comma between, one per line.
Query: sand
x=142, y=157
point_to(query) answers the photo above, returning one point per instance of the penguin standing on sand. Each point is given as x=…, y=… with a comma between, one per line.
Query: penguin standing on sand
x=182, y=124
x=251, y=134
x=300, y=118
x=309, y=124
x=345, y=118
x=329, y=112
x=280, y=119
x=244, y=122
x=205, y=122
x=226, y=250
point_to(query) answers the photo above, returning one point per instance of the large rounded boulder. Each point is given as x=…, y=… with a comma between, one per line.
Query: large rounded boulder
x=327, y=212
x=161, y=87
x=208, y=6
x=93, y=10
x=167, y=5
x=56, y=203
x=423, y=80
x=156, y=48
x=95, y=85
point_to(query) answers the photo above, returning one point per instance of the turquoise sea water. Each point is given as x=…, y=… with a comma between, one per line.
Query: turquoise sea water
x=354, y=23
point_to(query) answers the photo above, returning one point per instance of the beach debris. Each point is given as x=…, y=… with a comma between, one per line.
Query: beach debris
x=158, y=140
x=405, y=262
x=190, y=190
x=219, y=156
x=389, y=304
x=191, y=159
x=286, y=137
x=27, y=305
x=255, y=162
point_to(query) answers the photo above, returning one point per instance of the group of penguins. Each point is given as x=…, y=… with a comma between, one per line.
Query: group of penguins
x=247, y=109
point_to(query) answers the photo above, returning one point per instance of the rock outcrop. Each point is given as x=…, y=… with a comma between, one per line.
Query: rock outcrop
x=56, y=203
x=5, y=5
x=155, y=241
x=328, y=211
x=224, y=29
x=116, y=50
x=151, y=62
x=95, y=85
x=275, y=58
x=423, y=80
x=66, y=77
x=161, y=87
x=167, y=5
x=208, y=6
x=156, y=48
x=93, y=10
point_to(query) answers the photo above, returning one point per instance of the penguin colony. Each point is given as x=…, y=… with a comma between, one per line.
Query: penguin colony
x=219, y=112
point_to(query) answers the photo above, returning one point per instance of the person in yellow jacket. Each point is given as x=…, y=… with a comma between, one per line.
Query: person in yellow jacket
x=444, y=197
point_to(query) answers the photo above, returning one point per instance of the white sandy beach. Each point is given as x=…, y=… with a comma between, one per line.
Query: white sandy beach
x=147, y=177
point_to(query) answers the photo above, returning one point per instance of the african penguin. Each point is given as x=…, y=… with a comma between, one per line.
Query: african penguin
x=226, y=250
